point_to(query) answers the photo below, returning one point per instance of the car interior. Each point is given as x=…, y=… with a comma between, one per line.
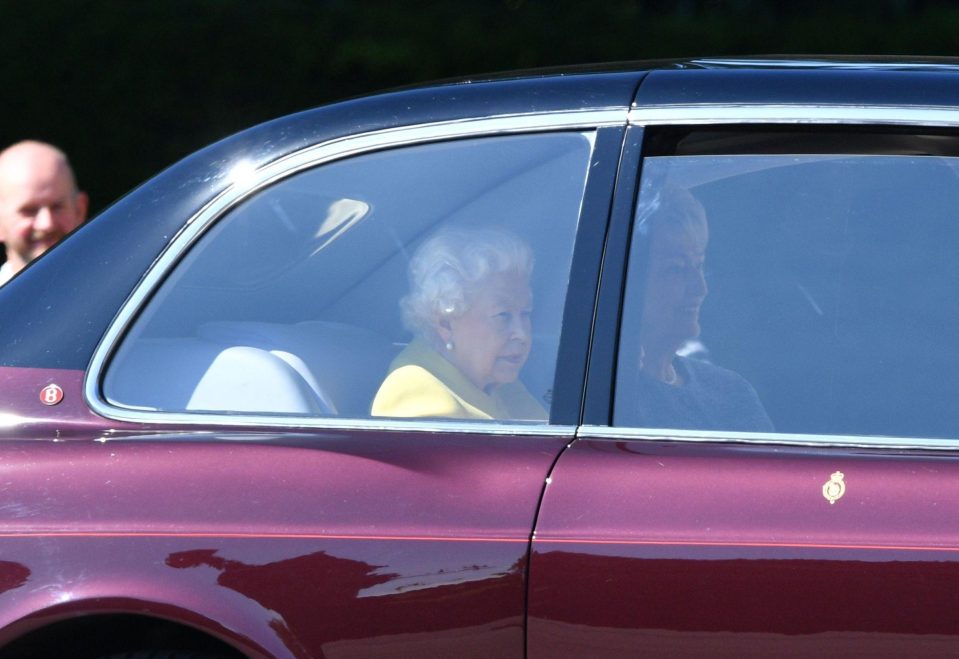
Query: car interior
x=832, y=273
x=289, y=303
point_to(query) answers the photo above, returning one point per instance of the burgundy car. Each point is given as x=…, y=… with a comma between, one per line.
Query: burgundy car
x=745, y=297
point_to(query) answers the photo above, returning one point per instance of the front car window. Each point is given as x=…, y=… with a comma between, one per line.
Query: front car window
x=795, y=292
x=424, y=281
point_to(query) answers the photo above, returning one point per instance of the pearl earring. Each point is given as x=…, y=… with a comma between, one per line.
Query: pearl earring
x=449, y=345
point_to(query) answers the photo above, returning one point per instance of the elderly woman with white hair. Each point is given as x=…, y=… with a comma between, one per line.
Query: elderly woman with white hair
x=469, y=309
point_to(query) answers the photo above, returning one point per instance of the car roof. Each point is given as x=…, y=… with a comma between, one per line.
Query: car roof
x=740, y=63
x=804, y=82
x=771, y=79
x=113, y=249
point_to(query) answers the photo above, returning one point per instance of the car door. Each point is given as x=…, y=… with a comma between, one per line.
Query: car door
x=243, y=486
x=783, y=482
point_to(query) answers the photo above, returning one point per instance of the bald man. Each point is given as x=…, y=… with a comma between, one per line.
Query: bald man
x=39, y=202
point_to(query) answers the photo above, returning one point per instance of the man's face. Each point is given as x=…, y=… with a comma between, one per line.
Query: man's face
x=39, y=205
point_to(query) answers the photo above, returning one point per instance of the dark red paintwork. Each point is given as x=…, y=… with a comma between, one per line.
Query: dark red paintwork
x=684, y=550
x=347, y=543
x=24, y=415
x=289, y=544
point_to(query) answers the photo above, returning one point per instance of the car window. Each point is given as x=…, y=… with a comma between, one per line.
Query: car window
x=429, y=280
x=793, y=292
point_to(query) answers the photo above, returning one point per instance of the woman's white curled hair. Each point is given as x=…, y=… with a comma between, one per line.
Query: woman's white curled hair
x=448, y=262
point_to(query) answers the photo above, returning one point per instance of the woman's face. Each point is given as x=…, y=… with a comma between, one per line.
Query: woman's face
x=676, y=287
x=491, y=341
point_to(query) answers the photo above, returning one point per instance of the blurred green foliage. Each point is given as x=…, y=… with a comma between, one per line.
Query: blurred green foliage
x=127, y=87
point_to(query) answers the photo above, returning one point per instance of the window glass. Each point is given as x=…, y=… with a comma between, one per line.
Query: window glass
x=795, y=293
x=426, y=281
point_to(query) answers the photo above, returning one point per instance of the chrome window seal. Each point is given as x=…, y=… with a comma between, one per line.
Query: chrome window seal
x=705, y=114
x=751, y=63
x=765, y=439
x=263, y=435
x=246, y=182
x=205, y=422
x=517, y=123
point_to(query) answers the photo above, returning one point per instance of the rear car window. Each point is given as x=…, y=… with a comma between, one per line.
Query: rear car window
x=293, y=303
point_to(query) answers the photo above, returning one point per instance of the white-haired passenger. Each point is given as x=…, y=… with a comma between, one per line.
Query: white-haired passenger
x=469, y=309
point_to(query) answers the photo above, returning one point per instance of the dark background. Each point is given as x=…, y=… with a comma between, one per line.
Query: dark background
x=128, y=87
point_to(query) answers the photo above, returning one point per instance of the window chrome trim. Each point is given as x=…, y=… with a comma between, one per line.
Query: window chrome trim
x=199, y=422
x=766, y=439
x=708, y=114
x=705, y=114
x=917, y=64
x=248, y=181
x=264, y=435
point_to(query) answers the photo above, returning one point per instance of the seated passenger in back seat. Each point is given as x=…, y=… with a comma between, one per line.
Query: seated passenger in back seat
x=469, y=310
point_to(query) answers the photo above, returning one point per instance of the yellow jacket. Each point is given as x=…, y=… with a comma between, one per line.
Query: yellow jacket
x=423, y=383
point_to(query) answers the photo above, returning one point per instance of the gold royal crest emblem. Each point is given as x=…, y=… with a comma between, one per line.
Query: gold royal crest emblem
x=834, y=488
